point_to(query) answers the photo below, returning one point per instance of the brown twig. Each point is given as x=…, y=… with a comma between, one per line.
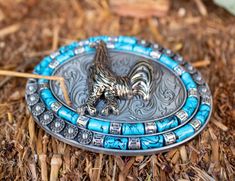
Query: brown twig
x=114, y=170
x=98, y=165
x=175, y=158
x=123, y=174
x=10, y=117
x=140, y=8
x=31, y=127
x=64, y=90
x=220, y=125
x=183, y=154
x=55, y=41
x=56, y=163
x=43, y=164
x=215, y=146
x=9, y=30
x=154, y=29
x=154, y=167
x=32, y=167
x=201, y=7
x=202, y=63
x=41, y=145
x=20, y=68
x=28, y=75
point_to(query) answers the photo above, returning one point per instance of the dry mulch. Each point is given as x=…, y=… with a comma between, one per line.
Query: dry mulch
x=30, y=29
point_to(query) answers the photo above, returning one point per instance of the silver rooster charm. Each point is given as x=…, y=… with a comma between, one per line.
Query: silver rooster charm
x=104, y=84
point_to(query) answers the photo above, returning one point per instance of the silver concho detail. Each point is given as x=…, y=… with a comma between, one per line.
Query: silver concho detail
x=179, y=59
x=156, y=46
x=206, y=100
x=98, y=140
x=32, y=99
x=57, y=125
x=155, y=54
x=179, y=70
x=70, y=131
x=56, y=106
x=193, y=92
x=113, y=38
x=84, y=42
x=43, y=86
x=144, y=43
x=84, y=137
x=46, y=118
x=168, y=52
x=54, y=63
x=115, y=128
x=196, y=124
x=203, y=90
x=150, y=127
x=198, y=78
x=31, y=88
x=190, y=68
x=182, y=115
x=79, y=50
x=110, y=45
x=54, y=55
x=38, y=109
x=82, y=121
x=169, y=138
x=134, y=143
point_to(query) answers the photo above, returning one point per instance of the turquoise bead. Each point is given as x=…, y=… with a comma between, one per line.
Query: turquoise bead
x=71, y=46
x=203, y=113
x=122, y=46
x=190, y=105
x=115, y=143
x=88, y=48
x=41, y=81
x=167, y=124
x=188, y=81
x=132, y=129
x=96, y=38
x=62, y=57
x=74, y=118
x=184, y=132
x=99, y=126
x=67, y=114
x=47, y=71
x=37, y=69
x=70, y=53
x=45, y=62
x=63, y=49
x=47, y=97
x=127, y=39
x=151, y=142
x=142, y=50
x=64, y=113
x=168, y=61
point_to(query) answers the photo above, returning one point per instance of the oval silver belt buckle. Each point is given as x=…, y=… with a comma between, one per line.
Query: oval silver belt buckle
x=128, y=96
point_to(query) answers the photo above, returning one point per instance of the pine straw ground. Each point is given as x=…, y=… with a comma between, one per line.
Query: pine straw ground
x=29, y=29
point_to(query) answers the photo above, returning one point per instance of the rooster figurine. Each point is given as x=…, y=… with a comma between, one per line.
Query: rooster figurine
x=104, y=84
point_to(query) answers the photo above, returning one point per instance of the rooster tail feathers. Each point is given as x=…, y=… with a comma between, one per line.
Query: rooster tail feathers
x=141, y=79
x=101, y=56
